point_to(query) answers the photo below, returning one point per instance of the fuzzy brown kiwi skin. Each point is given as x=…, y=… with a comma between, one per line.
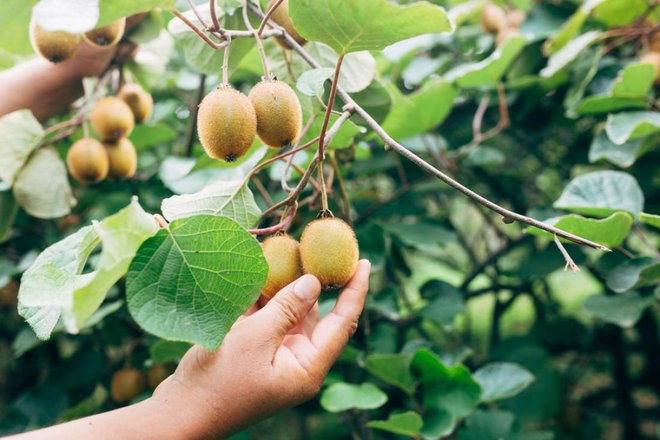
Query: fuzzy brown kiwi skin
x=283, y=256
x=87, y=161
x=226, y=124
x=122, y=158
x=139, y=100
x=282, y=18
x=279, y=114
x=329, y=251
x=56, y=46
x=493, y=19
x=112, y=118
x=107, y=35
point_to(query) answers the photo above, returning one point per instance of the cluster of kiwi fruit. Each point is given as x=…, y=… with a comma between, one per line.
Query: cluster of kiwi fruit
x=503, y=24
x=128, y=383
x=113, y=118
x=59, y=46
x=653, y=55
x=328, y=250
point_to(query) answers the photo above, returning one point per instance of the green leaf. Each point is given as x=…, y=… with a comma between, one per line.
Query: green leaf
x=614, y=13
x=408, y=423
x=55, y=288
x=165, y=352
x=42, y=186
x=419, y=112
x=634, y=81
x=230, y=199
x=393, y=369
x=621, y=155
x=487, y=425
x=445, y=307
x=358, y=69
x=47, y=287
x=502, y=380
x=311, y=82
x=601, y=193
x=623, y=310
x=192, y=281
x=622, y=127
x=8, y=210
x=112, y=10
x=14, y=23
x=570, y=28
x=452, y=391
x=568, y=53
x=650, y=219
x=351, y=26
x=343, y=396
x=89, y=406
x=634, y=273
x=121, y=235
x=344, y=137
x=20, y=134
x=597, y=104
x=489, y=71
x=610, y=231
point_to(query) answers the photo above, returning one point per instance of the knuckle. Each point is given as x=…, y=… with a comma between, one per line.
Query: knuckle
x=288, y=311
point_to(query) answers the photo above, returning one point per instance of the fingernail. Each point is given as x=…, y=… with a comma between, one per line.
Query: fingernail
x=306, y=288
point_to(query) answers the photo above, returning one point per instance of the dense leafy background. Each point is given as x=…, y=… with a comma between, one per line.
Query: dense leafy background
x=472, y=325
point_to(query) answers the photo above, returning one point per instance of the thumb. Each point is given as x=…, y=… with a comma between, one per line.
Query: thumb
x=288, y=307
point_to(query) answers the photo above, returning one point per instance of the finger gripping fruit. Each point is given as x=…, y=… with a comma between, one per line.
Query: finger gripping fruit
x=329, y=251
x=226, y=124
x=283, y=256
x=87, y=161
x=279, y=114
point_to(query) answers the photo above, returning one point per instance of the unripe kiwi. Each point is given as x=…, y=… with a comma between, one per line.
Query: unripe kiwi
x=493, y=19
x=107, y=35
x=127, y=384
x=55, y=46
x=139, y=100
x=652, y=58
x=283, y=256
x=112, y=118
x=505, y=34
x=329, y=251
x=226, y=124
x=515, y=18
x=122, y=158
x=279, y=115
x=282, y=18
x=87, y=161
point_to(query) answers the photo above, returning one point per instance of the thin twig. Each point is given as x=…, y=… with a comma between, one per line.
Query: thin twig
x=569, y=261
x=225, y=63
x=194, y=110
x=197, y=14
x=270, y=12
x=281, y=226
x=214, y=18
x=257, y=38
x=195, y=29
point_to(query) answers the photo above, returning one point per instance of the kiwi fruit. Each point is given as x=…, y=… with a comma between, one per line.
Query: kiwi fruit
x=56, y=46
x=493, y=19
x=139, y=100
x=122, y=158
x=107, y=35
x=652, y=58
x=87, y=161
x=157, y=374
x=112, y=118
x=283, y=256
x=515, y=18
x=279, y=114
x=505, y=34
x=654, y=43
x=226, y=124
x=282, y=18
x=127, y=384
x=329, y=251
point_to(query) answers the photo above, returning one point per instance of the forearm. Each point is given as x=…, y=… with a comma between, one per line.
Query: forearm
x=46, y=89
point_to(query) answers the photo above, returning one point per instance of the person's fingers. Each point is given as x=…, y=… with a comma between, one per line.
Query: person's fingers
x=286, y=310
x=306, y=326
x=333, y=332
x=249, y=312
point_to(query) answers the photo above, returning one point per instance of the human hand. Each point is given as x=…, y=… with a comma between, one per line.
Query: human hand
x=271, y=359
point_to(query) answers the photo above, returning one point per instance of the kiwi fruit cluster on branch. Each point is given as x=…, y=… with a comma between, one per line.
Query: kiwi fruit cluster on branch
x=113, y=118
x=59, y=46
x=328, y=250
x=501, y=23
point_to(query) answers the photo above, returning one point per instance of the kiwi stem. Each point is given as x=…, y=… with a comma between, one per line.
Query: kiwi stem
x=289, y=162
x=195, y=29
x=257, y=37
x=342, y=188
x=324, y=127
x=281, y=226
x=214, y=17
x=270, y=12
x=225, y=63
